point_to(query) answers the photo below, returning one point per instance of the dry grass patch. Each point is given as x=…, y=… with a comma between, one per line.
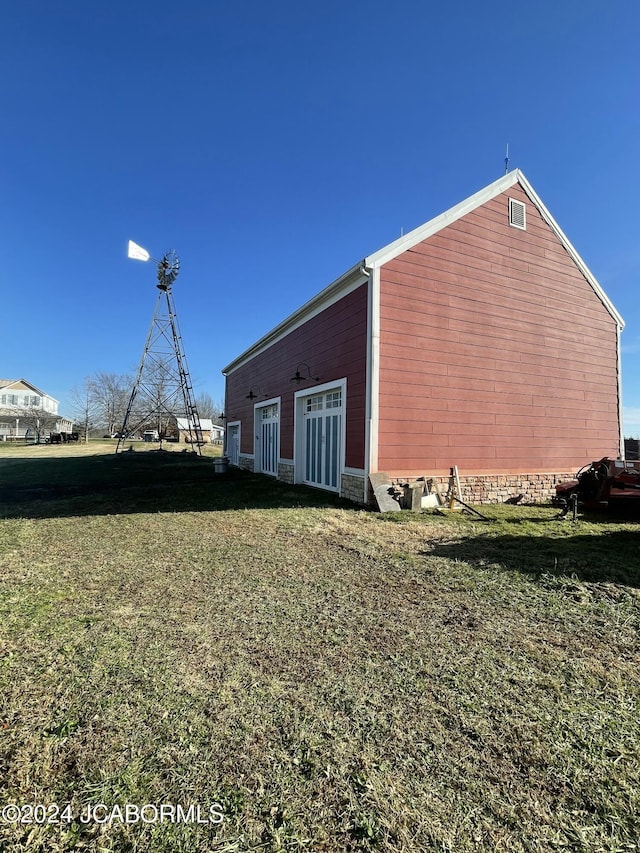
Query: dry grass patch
x=337, y=680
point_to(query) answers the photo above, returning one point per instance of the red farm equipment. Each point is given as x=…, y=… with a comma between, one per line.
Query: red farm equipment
x=609, y=484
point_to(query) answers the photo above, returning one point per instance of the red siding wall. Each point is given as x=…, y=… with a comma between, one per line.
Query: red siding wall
x=333, y=344
x=496, y=355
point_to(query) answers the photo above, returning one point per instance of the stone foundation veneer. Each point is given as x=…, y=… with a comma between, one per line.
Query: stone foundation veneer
x=245, y=463
x=476, y=489
x=352, y=488
x=285, y=471
x=498, y=488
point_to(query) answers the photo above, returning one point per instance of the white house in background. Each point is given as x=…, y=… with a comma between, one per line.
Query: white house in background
x=24, y=408
x=212, y=433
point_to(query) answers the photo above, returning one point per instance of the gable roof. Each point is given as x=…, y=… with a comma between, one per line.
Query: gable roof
x=205, y=423
x=392, y=250
x=358, y=274
x=338, y=289
x=7, y=383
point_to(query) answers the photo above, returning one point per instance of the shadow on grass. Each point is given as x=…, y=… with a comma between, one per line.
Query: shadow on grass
x=607, y=555
x=147, y=481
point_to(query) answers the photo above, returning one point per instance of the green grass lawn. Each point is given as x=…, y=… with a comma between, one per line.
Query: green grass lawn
x=336, y=680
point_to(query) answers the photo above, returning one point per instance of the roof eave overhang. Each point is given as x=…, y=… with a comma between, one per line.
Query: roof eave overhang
x=339, y=288
x=358, y=274
x=10, y=382
x=423, y=232
x=403, y=244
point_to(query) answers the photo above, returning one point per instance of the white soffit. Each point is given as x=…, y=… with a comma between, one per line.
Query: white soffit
x=356, y=275
x=406, y=242
x=349, y=281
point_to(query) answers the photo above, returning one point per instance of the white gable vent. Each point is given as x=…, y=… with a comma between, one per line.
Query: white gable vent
x=517, y=214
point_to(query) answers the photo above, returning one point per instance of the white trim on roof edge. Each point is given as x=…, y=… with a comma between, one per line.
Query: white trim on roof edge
x=388, y=253
x=412, y=238
x=351, y=280
x=584, y=269
x=358, y=274
x=7, y=383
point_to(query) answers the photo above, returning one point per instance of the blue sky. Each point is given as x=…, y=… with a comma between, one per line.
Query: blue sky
x=274, y=145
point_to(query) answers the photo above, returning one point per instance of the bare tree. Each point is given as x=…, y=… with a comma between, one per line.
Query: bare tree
x=84, y=406
x=110, y=393
x=208, y=407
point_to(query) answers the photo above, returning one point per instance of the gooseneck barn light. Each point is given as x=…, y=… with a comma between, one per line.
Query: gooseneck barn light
x=298, y=378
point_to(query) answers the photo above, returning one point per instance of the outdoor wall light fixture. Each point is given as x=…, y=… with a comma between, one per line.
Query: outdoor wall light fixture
x=252, y=396
x=298, y=378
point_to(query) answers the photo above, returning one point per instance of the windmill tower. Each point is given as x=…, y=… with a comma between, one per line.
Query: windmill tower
x=162, y=389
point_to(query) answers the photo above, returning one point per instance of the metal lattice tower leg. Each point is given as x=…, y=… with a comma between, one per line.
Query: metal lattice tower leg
x=162, y=389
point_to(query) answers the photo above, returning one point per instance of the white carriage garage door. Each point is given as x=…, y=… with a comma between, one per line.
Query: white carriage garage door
x=268, y=438
x=233, y=443
x=322, y=414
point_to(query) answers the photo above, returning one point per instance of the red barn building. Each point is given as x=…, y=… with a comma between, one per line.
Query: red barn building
x=480, y=339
